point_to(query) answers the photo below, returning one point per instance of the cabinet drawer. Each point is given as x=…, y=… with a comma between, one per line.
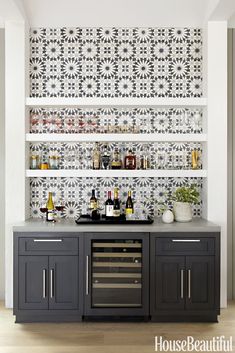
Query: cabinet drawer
x=184, y=246
x=48, y=245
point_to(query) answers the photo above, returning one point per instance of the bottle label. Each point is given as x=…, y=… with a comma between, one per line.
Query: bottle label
x=116, y=213
x=129, y=210
x=93, y=205
x=50, y=215
x=109, y=210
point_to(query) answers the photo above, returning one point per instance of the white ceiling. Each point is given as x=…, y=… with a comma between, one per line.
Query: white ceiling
x=126, y=13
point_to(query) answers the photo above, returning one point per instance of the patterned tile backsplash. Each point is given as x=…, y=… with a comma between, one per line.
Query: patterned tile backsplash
x=115, y=62
x=75, y=193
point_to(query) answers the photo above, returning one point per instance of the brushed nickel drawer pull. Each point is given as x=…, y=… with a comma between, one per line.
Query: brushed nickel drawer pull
x=182, y=284
x=44, y=284
x=48, y=240
x=186, y=240
x=189, y=284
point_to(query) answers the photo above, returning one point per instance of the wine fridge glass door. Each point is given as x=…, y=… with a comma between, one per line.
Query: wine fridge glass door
x=116, y=273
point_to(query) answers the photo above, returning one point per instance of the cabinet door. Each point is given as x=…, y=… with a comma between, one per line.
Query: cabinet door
x=63, y=282
x=200, y=282
x=169, y=283
x=33, y=282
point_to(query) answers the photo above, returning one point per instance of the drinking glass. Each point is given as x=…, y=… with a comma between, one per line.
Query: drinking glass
x=161, y=159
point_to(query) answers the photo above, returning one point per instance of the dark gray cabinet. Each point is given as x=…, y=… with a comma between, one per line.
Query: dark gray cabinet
x=64, y=282
x=48, y=282
x=159, y=276
x=48, y=277
x=33, y=284
x=185, y=277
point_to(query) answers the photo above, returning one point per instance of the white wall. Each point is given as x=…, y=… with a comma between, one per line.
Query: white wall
x=217, y=138
x=15, y=54
x=2, y=161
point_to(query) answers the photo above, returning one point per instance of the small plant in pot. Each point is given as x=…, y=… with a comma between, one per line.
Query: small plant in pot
x=183, y=199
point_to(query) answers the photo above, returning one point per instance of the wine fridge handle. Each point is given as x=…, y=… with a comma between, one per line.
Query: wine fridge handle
x=182, y=284
x=44, y=284
x=87, y=275
x=189, y=284
x=52, y=283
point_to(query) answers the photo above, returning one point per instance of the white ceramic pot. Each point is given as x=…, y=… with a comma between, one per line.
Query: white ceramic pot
x=182, y=211
x=167, y=216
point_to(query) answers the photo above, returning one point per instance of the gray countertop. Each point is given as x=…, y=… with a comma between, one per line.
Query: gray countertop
x=37, y=225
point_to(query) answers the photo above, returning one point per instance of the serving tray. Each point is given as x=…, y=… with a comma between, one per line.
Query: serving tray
x=86, y=219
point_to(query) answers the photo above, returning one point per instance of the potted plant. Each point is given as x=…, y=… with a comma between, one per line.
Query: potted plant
x=183, y=199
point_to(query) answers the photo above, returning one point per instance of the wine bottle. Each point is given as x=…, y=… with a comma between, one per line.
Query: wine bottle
x=116, y=205
x=93, y=201
x=129, y=204
x=109, y=207
x=96, y=157
x=50, y=208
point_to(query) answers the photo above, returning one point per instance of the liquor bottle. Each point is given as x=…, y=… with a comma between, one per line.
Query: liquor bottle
x=109, y=207
x=129, y=204
x=116, y=162
x=93, y=201
x=50, y=208
x=96, y=157
x=130, y=160
x=145, y=159
x=116, y=205
x=105, y=158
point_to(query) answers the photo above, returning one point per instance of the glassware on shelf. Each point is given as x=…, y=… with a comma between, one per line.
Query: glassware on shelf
x=197, y=120
x=161, y=159
x=35, y=161
x=145, y=158
x=53, y=161
x=195, y=161
x=58, y=123
x=34, y=122
x=69, y=124
x=43, y=210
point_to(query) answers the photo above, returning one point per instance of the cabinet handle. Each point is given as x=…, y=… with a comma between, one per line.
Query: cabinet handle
x=46, y=240
x=186, y=240
x=44, y=284
x=182, y=284
x=52, y=283
x=87, y=275
x=189, y=284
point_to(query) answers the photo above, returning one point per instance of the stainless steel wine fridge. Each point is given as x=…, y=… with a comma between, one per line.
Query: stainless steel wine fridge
x=116, y=278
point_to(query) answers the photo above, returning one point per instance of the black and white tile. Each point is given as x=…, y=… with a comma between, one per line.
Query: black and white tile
x=116, y=62
x=75, y=193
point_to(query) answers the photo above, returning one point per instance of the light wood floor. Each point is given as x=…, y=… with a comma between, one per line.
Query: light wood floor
x=90, y=337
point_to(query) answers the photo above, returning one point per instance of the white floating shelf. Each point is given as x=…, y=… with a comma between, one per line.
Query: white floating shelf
x=115, y=102
x=116, y=137
x=116, y=173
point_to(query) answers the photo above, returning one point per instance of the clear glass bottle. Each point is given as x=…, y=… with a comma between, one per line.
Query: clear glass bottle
x=96, y=157
x=116, y=162
x=145, y=159
x=105, y=158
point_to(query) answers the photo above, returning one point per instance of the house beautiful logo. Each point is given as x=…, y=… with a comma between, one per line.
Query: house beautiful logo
x=190, y=344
